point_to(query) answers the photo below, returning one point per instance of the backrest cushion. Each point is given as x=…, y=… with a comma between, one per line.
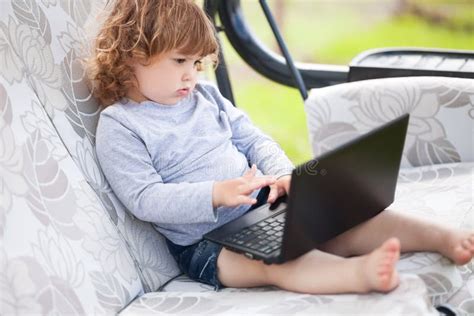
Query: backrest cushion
x=60, y=253
x=46, y=40
x=441, y=126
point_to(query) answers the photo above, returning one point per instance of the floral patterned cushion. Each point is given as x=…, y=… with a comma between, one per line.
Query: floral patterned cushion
x=408, y=299
x=42, y=46
x=68, y=246
x=60, y=252
x=441, y=126
x=444, y=193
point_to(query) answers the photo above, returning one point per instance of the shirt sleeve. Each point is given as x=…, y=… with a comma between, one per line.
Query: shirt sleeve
x=128, y=168
x=259, y=148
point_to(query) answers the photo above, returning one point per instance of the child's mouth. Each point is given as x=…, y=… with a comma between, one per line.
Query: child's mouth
x=183, y=92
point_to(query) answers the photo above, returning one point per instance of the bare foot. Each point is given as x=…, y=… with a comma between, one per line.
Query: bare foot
x=460, y=247
x=380, y=266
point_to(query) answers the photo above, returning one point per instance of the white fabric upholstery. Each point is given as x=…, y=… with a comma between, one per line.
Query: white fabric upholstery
x=408, y=299
x=44, y=42
x=441, y=111
x=60, y=251
x=68, y=246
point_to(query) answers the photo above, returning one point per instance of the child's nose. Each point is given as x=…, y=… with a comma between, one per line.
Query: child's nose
x=189, y=74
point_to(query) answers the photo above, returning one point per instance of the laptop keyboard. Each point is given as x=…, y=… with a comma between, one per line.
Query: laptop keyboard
x=264, y=237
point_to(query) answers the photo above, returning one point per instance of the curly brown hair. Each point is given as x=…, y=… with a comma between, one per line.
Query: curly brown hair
x=138, y=30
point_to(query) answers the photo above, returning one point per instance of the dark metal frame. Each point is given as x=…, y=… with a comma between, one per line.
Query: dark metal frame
x=262, y=59
x=307, y=76
x=361, y=68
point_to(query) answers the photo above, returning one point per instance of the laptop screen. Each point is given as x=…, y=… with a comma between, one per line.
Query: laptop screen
x=344, y=187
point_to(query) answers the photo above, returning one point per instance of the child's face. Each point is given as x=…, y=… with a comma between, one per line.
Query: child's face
x=167, y=79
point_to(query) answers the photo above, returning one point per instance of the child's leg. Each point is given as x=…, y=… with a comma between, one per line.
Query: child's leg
x=415, y=234
x=316, y=272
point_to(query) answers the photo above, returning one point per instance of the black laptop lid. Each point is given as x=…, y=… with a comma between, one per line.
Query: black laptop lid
x=344, y=187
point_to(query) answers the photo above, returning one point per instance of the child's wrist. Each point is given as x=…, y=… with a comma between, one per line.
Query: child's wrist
x=215, y=194
x=283, y=175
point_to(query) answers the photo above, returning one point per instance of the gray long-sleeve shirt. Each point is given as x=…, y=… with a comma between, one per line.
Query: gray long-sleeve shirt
x=161, y=161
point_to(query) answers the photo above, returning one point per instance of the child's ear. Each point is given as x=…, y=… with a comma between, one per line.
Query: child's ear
x=133, y=61
x=211, y=60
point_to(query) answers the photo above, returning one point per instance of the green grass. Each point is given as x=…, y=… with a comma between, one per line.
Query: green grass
x=334, y=35
x=403, y=31
x=279, y=112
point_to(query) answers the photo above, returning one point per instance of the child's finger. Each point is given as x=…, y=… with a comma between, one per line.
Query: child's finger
x=258, y=183
x=273, y=195
x=243, y=199
x=251, y=172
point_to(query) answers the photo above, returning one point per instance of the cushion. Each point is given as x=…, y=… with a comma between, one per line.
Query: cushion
x=45, y=40
x=441, y=128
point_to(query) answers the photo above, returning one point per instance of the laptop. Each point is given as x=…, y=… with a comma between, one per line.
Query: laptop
x=328, y=195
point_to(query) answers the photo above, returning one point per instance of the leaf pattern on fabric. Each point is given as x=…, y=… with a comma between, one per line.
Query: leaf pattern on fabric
x=29, y=289
x=434, y=152
x=364, y=105
x=17, y=287
x=30, y=13
x=11, y=67
x=175, y=304
x=429, y=174
x=466, y=307
x=34, y=120
x=387, y=104
x=46, y=271
x=439, y=287
x=49, y=194
x=332, y=135
x=111, y=294
x=151, y=251
x=83, y=114
x=100, y=237
x=83, y=110
x=463, y=300
x=12, y=181
x=48, y=3
x=87, y=161
x=452, y=96
x=379, y=104
x=411, y=292
x=75, y=39
x=44, y=75
x=51, y=289
x=5, y=108
x=60, y=258
x=78, y=10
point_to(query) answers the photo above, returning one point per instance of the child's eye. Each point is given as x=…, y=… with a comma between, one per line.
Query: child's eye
x=180, y=60
x=198, y=64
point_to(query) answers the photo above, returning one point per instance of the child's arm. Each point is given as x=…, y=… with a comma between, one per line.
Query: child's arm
x=259, y=148
x=127, y=166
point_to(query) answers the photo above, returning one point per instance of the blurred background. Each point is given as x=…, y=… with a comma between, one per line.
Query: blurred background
x=334, y=32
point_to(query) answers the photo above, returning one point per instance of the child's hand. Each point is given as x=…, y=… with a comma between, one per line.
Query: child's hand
x=281, y=187
x=236, y=192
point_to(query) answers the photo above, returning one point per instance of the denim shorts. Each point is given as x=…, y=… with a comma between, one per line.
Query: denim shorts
x=199, y=261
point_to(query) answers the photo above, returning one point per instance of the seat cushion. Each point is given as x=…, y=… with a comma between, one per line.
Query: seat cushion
x=440, y=192
x=408, y=299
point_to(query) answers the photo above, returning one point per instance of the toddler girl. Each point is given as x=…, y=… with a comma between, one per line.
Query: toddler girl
x=179, y=155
